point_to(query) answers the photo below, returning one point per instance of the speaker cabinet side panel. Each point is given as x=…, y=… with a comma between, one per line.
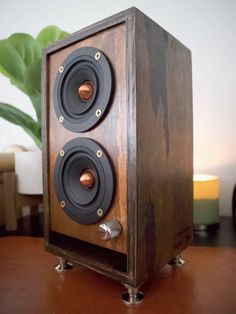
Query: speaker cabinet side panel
x=165, y=147
x=110, y=133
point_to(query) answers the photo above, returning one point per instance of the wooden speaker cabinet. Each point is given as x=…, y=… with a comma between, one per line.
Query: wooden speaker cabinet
x=118, y=148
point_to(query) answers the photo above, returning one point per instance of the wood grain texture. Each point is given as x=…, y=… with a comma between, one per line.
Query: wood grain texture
x=148, y=135
x=110, y=133
x=164, y=147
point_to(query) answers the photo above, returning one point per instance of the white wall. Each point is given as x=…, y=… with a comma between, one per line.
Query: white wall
x=207, y=27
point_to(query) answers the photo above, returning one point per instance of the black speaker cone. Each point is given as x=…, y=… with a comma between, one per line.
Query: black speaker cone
x=84, y=180
x=82, y=89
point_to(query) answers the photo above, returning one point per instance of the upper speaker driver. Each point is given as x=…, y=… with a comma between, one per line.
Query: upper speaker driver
x=82, y=89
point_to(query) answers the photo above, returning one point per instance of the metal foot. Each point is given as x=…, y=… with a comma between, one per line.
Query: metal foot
x=177, y=261
x=132, y=296
x=62, y=265
x=200, y=227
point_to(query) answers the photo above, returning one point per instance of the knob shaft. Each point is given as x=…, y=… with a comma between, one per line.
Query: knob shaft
x=110, y=229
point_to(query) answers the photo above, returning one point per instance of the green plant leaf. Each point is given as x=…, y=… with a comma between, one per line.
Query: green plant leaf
x=36, y=101
x=11, y=64
x=19, y=58
x=49, y=35
x=35, y=138
x=20, y=61
x=16, y=53
x=26, y=46
x=18, y=117
x=32, y=83
x=32, y=79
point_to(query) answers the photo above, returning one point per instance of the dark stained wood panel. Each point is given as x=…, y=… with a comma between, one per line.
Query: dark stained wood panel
x=110, y=133
x=164, y=147
x=148, y=136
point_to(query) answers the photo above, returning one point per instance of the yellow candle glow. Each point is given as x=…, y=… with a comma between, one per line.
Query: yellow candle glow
x=206, y=199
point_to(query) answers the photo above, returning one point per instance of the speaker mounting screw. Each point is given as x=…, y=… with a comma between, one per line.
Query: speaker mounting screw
x=61, y=69
x=99, y=153
x=62, y=153
x=100, y=212
x=98, y=113
x=97, y=55
x=61, y=119
x=63, y=204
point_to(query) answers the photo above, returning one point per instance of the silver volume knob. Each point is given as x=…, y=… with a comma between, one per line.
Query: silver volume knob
x=110, y=229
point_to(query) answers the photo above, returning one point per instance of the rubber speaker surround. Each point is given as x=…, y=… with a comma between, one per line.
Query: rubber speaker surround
x=80, y=203
x=86, y=64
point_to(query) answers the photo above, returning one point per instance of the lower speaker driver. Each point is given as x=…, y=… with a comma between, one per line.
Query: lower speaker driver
x=84, y=180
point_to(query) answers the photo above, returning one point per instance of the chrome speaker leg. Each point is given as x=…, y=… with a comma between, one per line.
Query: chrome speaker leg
x=177, y=261
x=132, y=296
x=62, y=265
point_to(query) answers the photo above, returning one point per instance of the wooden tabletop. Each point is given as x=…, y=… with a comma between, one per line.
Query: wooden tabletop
x=28, y=284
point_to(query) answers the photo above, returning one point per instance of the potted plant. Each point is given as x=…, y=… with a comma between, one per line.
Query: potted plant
x=20, y=61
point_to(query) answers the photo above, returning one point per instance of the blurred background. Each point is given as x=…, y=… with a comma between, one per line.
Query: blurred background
x=208, y=28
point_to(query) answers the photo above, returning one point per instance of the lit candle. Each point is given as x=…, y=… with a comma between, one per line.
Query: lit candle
x=206, y=200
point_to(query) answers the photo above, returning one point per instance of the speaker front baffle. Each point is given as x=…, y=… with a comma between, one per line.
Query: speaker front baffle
x=117, y=102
